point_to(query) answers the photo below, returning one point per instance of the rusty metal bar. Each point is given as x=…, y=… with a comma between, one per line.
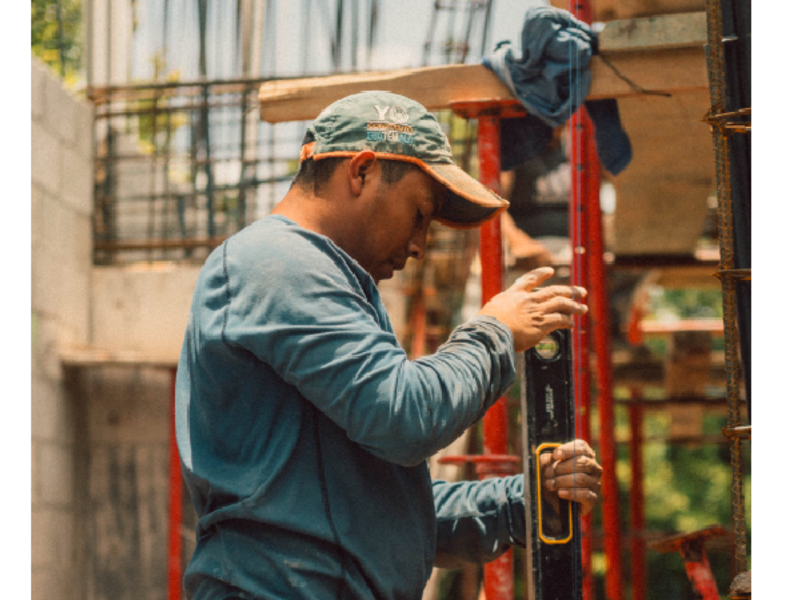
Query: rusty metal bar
x=743, y=432
x=715, y=57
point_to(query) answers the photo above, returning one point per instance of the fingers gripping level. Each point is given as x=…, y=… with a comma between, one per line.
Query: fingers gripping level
x=553, y=527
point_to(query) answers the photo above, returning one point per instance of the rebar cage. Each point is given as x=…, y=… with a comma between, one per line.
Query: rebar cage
x=181, y=166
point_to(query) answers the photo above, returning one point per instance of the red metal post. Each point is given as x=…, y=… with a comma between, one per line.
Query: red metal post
x=498, y=574
x=586, y=173
x=601, y=336
x=175, y=538
x=638, y=547
x=580, y=334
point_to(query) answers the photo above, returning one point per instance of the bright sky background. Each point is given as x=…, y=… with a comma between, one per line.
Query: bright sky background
x=403, y=27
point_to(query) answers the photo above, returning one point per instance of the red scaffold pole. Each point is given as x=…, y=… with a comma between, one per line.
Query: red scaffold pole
x=498, y=574
x=601, y=336
x=578, y=227
x=586, y=174
x=175, y=538
x=579, y=274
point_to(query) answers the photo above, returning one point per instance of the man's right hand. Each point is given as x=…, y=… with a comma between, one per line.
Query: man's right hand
x=532, y=313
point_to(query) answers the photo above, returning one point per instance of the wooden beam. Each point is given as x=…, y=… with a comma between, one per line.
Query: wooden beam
x=433, y=87
x=436, y=88
x=654, y=33
x=663, y=53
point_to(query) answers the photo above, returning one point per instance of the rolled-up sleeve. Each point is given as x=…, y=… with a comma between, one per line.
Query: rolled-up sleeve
x=477, y=521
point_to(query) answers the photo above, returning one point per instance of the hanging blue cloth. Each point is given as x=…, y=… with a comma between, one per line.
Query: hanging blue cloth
x=550, y=76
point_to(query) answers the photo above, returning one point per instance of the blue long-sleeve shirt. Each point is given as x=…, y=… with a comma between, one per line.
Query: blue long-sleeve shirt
x=304, y=429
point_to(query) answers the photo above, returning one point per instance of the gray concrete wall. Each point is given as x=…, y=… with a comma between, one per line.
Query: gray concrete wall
x=61, y=247
x=91, y=422
x=142, y=310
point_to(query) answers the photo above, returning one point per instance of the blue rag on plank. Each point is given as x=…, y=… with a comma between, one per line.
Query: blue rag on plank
x=550, y=76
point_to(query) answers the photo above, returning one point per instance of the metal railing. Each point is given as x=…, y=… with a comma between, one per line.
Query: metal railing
x=181, y=166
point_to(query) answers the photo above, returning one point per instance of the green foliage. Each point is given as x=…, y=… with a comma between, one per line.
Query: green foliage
x=56, y=30
x=684, y=303
x=687, y=488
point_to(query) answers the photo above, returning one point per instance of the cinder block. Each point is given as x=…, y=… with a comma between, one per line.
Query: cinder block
x=51, y=538
x=45, y=360
x=44, y=582
x=143, y=310
x=59, y=107
x=76, y=177
x=84, y=130
x=43, y=264
x=37, y=215
x=52, y=474
x=65, y=231
x=37, y=88
x=45, y=158
x=49, y=417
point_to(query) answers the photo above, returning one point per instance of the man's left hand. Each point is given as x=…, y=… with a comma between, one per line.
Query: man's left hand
x=572, y=473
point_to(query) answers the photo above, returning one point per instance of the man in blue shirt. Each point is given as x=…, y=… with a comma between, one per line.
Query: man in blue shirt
x=303, y=427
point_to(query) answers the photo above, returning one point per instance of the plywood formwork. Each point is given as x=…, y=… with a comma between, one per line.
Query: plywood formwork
x=662, y=197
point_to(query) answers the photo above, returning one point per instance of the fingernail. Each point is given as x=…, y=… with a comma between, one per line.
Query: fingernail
x=562, y=493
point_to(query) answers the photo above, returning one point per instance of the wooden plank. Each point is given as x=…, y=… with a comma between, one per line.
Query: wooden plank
x=434, y=87
x=672, y=70
x=654, y=33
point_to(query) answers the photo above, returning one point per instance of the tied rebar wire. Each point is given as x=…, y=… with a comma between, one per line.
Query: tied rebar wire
x=715, y=59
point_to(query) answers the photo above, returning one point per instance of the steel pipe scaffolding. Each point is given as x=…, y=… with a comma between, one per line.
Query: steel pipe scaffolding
x=588, y=270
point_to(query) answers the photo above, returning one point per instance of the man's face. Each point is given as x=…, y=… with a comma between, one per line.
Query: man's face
x=397, y=226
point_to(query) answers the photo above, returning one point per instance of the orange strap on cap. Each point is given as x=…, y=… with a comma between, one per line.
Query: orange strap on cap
x=307, y=151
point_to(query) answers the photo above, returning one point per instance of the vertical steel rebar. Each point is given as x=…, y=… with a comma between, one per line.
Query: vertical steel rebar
x=715, y=58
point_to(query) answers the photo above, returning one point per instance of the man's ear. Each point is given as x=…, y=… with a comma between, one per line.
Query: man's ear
x=361, y=165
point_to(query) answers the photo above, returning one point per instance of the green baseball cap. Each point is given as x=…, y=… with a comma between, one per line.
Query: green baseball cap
x=397, y=128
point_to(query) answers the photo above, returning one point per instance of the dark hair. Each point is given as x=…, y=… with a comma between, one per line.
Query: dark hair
x=315, y=174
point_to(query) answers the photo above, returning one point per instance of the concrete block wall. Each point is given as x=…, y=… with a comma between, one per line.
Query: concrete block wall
x=142, y=310
x=61, y=258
